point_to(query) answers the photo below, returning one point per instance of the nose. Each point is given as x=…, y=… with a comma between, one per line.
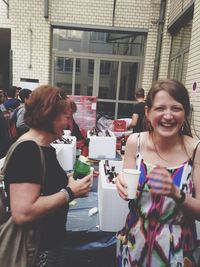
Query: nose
x=168, y=114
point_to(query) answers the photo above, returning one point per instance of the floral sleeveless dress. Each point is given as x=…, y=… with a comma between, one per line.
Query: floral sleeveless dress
x=156, y=232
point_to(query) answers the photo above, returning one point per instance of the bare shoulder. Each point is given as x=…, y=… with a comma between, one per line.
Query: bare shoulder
x=136, y=139
x=191, y=143
x=132, y=138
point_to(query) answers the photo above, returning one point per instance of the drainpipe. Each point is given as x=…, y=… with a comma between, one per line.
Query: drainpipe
x=159, y=39
x=113, y=17
x=46, y=9
x=7, y=4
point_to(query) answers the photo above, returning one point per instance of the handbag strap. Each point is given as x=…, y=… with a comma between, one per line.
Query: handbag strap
x=10, y=152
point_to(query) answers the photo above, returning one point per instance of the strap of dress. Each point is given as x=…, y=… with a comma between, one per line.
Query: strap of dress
x=195, y=150
x=138, y=143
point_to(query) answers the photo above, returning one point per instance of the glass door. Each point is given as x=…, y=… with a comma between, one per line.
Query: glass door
x=84, y=78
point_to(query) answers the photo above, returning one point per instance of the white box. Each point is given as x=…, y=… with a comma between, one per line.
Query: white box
x=112, y=208
x=66, y=153
x=102, y=147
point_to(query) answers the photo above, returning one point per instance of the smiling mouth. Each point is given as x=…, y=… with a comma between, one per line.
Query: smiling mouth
x=167, y=125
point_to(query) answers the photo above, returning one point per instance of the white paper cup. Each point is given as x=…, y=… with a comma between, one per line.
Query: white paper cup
x=131, y=177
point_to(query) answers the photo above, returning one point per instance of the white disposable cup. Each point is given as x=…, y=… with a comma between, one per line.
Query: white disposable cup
x=131, y=177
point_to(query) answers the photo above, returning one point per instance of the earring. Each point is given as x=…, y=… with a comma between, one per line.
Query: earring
x=182, y=130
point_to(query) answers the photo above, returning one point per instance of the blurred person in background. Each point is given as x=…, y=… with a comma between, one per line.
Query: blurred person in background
x=19, y=112
x=137, y=121
x=4, y=139
x=73, y=126
x=11, y=103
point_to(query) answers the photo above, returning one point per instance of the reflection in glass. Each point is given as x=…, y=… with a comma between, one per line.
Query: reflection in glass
x=108, y=79
x=63, y=73
x=184, y=70
x=128, y=79
x=179, y=53
x=84, y=78
x=106, y=108
x=127, y=44
x=124, y=110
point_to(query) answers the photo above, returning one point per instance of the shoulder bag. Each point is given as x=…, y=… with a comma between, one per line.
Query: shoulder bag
x=19, y=244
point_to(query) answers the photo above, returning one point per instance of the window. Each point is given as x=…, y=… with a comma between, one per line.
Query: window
x=179, y=53
x=66, y=65
x=105, y=67
x=98, y=37
x=104, y=64
x=113, y=43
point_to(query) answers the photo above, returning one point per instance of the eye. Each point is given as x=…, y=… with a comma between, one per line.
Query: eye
x=177, y=109
x=159, y=108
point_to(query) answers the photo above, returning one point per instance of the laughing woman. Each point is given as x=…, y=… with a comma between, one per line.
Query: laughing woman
x=160, y=228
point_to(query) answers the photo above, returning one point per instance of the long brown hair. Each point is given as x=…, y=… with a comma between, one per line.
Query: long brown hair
x=176, y=90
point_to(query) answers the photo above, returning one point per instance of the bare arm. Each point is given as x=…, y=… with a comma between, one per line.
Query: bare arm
x=134, y=121
x=27, y=205
x=129, y=162
x=192, y=204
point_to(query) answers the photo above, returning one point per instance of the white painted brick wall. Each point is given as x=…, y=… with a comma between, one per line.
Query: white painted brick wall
x=25, y=14
x=177, y=6
x=193, y=71
x=4, y=20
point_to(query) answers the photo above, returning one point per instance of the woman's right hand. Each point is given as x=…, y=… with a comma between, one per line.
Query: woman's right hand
x=80, y=187
x=121, y=186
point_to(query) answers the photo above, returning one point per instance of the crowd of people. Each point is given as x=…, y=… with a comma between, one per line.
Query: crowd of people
x=160, y=227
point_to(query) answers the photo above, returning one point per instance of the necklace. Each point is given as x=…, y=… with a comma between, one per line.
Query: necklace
x=156, y=150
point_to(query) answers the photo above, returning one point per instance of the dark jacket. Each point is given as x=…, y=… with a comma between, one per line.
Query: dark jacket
x=4, y=139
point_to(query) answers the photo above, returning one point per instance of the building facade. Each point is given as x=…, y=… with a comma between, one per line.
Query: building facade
x=105, y=48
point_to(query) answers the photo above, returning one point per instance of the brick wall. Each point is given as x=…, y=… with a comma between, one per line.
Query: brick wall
x=177, y=6
x=193, y=71
x=33, y=59
x=4, y=20
x=30, y=57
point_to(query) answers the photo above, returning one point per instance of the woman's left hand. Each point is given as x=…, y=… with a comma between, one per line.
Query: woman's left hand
x=160, y=182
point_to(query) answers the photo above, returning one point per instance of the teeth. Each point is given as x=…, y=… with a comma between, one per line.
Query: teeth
x=167, y=124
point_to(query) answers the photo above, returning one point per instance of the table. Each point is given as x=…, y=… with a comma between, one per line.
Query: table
x=86, y=245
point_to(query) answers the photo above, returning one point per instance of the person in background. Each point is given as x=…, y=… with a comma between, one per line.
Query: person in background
x=19, y=112
x=160, y=228
x=2, y=96
x=11, y=103
x=4, y=139
x=137, y=121
x=17, y=92
x=47, y=114
x=73, y=126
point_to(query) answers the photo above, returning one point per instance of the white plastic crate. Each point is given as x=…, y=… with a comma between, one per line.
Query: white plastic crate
x=66, y=154
x=112, y=208
x=102, y=147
